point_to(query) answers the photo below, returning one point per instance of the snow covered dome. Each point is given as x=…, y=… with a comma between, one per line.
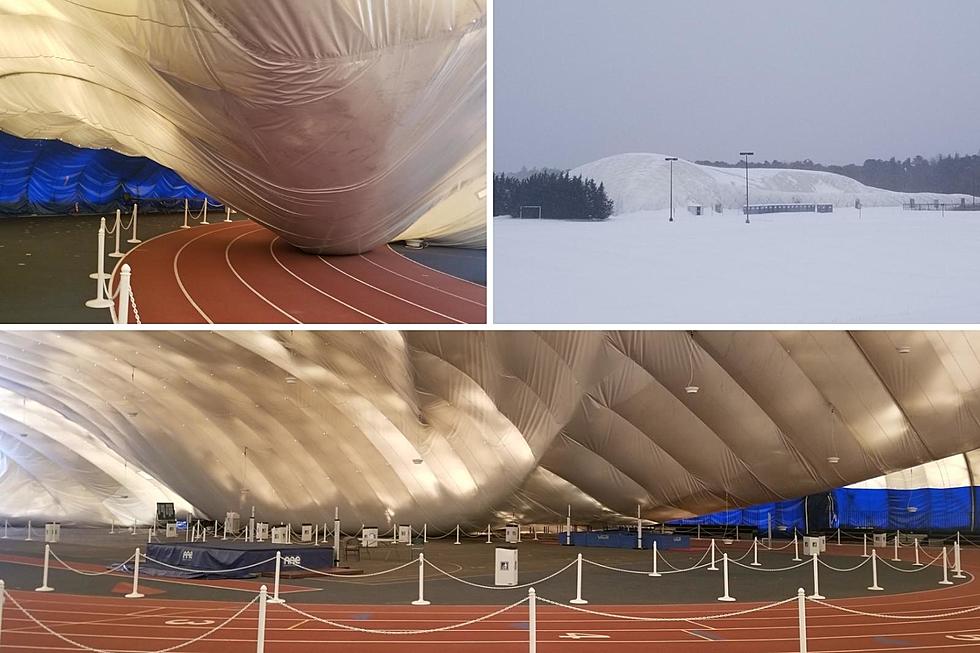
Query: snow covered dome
x=340, y=125
x=640, y=182
x=507, y=424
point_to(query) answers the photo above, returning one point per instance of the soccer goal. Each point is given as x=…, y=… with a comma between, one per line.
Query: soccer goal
x=530, y=213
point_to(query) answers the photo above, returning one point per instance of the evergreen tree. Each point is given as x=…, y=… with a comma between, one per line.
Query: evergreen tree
x=560, y=196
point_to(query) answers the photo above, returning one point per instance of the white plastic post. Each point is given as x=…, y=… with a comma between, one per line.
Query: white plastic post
x=768, y=530
x=713, y=566
x=122, y=308
x=755, y=553
x=336, y=535
x=29, y=534
x=816, y=579
x=275, y=583
x=216, y=528
x=916, y=547
x=425, y=533
x=134, y=240
x=874, y=573
x=316, y=534
x=796, y=548
x=956, y=562
x=578, y=600
x=186, y=214
x=736, y=532
x=896, y=558
x=421, y=600
x=100, y=275
x=112, y=527
x=724, y=567
x=534, y=532
x=488, y=533
x=457, y=534
x=568, y=526
x=864, y=540
x=699, y=532
x=116, y=253
x=639, y=528
x=205, y=220
x=3, y=592
x=44, y=576
x=838, y=536
x=227, y=213
x=532, y=618
x=945, y=580
x=654, y=573
x=135, y=594
x=149, y=535
x=260, y=633
x=801, y=612
x=4, y=529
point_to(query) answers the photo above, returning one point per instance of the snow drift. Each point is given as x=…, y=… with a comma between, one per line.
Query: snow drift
x=640, y=182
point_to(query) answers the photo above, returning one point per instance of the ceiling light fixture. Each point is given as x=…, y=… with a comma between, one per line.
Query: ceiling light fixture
x=904, y=349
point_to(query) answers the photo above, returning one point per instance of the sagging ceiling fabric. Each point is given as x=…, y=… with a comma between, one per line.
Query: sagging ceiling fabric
x=340, y=125
x=468, y=426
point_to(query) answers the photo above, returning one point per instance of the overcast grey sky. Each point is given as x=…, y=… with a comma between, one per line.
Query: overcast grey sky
x=836, y=81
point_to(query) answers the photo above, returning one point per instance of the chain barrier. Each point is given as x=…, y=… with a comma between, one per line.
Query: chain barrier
x=112, y=570
x=846, y=570
x=861, y=613
x=358, y=576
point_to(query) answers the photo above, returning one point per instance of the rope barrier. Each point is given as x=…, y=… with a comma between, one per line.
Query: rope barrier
x=441, y=629
x=112, y=570
x=940, y=615
x=627, y=617
x=78, y=644
x=376, y=573
x=496, y=587
x=210, y=571
x=848, y=569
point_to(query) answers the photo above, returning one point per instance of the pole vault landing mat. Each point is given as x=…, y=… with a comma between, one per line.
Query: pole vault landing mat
x=242, y=273
x=226, y=559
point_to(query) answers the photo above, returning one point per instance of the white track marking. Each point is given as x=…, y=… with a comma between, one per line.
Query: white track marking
x=422, y=283
x=245, y=283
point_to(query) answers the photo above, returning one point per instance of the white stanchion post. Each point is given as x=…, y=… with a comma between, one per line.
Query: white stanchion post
x=956, y=561
x=100, y=301
x=134, y=240
x=135, y=594
x=838, y=536
x=122, y=308
x=945, y=580
x=578, y=600
x=421, y=600
x=896, y=558
x=534, y=532
x=654, y=573
x=457, y=534
x=4, y=529
x=864, y=540
x=112, y=528
x=724, y=567
x=336, y=535
x=796, y=548
x=916, y=546
x=44, y=575
x=425, y=533
x=768, y=530
x=3, y=597
x=801, y=612
x=755, y=553
x=699, y=532
x=316, y=534
x=874, y=573
x=568, y=527
x=186, y=214
x=639, y=528
x=532, y=619
x=205, y=220
x=227, y=213
x=488, y=533
x=216, y=528
x=816, y=579
x=275, y=583
x=260, y=630
x=713, y=566
x=100, y=272
x=117, y=253
x=30, y=536
x=149, y=535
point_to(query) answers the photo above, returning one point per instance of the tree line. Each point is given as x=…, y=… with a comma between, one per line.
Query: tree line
x=560, y=196
x=941, y=174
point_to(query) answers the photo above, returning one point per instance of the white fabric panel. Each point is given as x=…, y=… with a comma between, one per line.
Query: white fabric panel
x=339, y=125
x=449, y=427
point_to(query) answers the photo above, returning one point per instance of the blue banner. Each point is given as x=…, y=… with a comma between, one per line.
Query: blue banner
x=47, y=177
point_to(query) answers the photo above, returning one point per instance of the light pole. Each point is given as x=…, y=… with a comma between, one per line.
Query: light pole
x=746, y=155
x=670, y=160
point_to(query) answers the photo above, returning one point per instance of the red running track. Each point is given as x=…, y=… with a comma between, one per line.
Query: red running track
x=153, y=624
x=242, y=273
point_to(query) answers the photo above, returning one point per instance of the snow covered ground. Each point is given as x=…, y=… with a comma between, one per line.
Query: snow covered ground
x=888, y=266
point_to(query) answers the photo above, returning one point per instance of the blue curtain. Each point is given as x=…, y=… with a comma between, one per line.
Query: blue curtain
x=47, y=177
x=920, y=509
x=788, y=514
